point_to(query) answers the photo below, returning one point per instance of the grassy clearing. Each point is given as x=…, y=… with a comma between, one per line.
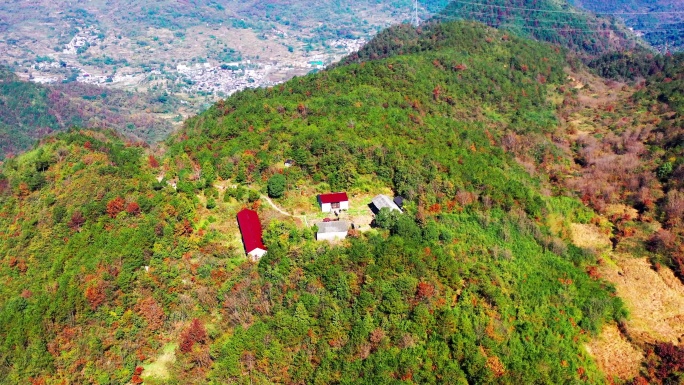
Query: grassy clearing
x=159, y=369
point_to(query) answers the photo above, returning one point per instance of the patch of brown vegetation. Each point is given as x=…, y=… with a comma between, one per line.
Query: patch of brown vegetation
x=614, y=355
x=655, y=299
x=590, y=237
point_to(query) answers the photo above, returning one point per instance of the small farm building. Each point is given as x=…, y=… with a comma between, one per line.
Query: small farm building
x=329, y=231
x=333, y=202
x=250, y=227
x=381, y=201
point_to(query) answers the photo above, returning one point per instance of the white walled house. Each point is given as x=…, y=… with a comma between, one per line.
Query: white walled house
x=330, y=231
x=333, y=202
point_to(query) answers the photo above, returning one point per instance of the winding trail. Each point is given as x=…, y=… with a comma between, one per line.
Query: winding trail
x=278, y=209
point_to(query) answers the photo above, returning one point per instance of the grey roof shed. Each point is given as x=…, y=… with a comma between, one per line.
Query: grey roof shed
x=381, y=201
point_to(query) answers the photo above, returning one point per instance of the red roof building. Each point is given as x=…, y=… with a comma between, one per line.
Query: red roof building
x=250, y=227
x=334, y=201
x=333, y=197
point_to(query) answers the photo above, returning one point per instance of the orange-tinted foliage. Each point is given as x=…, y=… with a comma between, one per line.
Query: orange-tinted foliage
x=115, y=206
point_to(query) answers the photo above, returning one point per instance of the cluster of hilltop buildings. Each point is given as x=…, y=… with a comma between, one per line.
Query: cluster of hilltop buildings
x=328, y=229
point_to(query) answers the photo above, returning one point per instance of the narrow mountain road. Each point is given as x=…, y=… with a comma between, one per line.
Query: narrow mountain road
x=278, y=209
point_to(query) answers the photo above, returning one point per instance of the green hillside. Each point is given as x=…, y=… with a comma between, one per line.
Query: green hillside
x=556, y=22
x=108, y=272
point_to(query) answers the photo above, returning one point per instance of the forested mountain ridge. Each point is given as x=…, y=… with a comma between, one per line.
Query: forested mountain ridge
x=554, y=22
x=476, y=282
x=29, y=111
x=467, y=285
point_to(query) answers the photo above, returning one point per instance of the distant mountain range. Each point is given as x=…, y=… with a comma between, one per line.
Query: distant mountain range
x=661, y=22
x=556, y=22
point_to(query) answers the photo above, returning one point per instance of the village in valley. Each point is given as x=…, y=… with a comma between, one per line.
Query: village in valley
x=189, y=77
x=199, y=63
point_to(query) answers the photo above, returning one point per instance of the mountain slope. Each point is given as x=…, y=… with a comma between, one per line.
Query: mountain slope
x=427, y=125
x=556, y=22
x=475, y=282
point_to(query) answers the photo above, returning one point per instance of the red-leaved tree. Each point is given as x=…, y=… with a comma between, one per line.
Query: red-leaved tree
x=133, y=208
x=195, y=333
x=77, y=220
x=115, y=206
x=153, y=161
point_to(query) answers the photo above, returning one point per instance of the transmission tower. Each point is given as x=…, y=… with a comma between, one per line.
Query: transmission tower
x=415, y=20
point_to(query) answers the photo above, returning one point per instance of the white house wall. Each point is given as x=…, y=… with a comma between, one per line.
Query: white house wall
x=257, y=253
x=327, y=207
x=331, y=236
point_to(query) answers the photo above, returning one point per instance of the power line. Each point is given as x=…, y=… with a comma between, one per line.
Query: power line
x=562, y=28
x=568, y=12
x=509, y=18
x=518, y=17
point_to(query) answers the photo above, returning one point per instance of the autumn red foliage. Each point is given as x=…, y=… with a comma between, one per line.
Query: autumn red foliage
x=663, y=365
x=152, y=312
x=425, y=290
x=95, y=295
x=187, y=227
x=77, y=220
x=4, y=185
x=671, y=359
x=133, y=208
x=195, y=333
x=37, y=381
x=153, y=161
x=115, y=206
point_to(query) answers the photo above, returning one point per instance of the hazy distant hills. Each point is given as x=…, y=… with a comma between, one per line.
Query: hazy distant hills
x=660, y=21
